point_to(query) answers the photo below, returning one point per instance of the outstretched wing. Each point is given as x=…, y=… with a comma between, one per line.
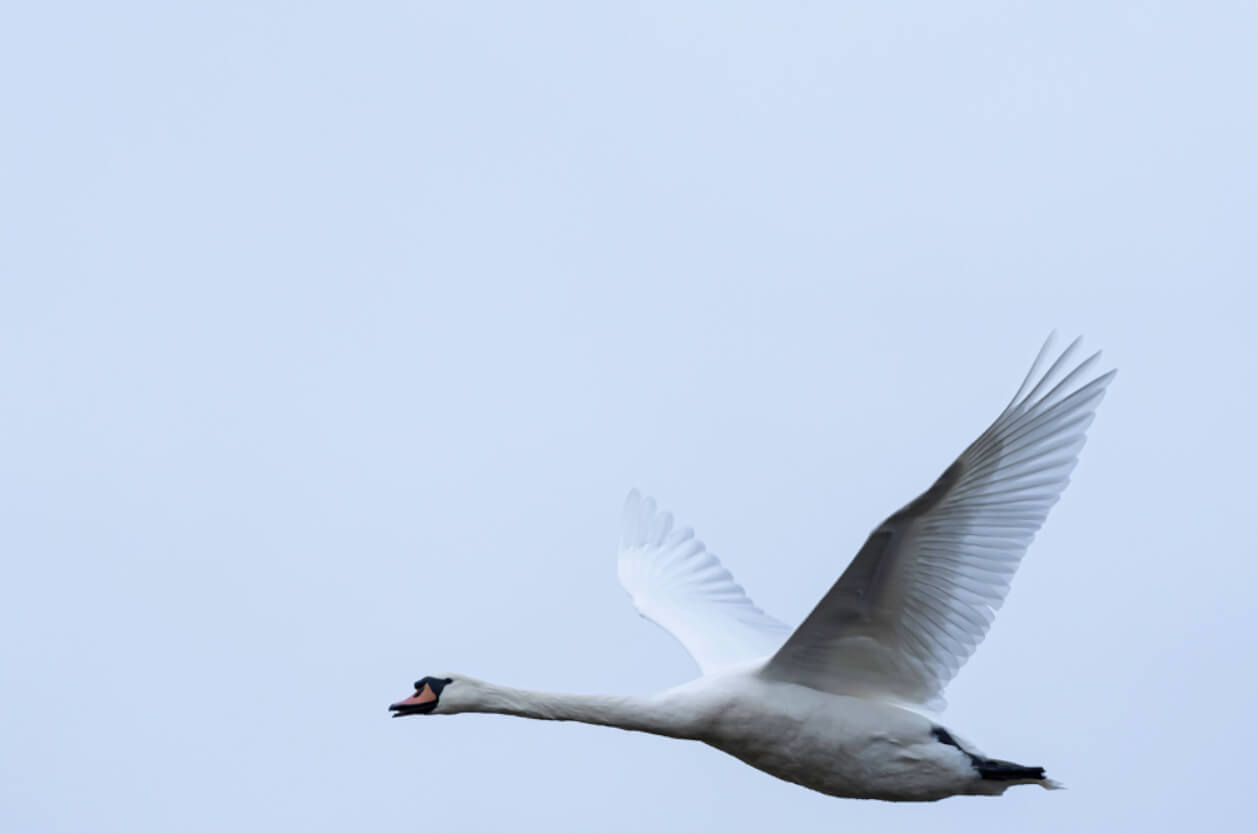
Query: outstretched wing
x=920, y=595
x=680, y=586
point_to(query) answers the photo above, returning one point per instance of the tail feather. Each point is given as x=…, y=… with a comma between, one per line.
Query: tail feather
x=992, y=769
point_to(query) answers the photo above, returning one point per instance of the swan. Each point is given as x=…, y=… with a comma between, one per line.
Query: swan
x=841, y=703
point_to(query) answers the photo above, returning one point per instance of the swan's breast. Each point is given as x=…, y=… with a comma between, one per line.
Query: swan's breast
x=844, y=746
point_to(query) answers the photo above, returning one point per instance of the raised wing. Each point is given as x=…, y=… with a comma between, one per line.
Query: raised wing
x=920, y=595
x=683, y=588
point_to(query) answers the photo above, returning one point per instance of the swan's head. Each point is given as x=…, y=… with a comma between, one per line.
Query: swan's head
x=426, y=699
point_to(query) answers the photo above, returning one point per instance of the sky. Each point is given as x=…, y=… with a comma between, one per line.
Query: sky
x=332, y=337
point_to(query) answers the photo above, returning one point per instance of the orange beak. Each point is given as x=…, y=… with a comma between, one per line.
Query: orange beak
x=421, y=702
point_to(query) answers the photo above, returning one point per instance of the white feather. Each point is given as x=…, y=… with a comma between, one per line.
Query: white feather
x=920, y=595
x=680, y=586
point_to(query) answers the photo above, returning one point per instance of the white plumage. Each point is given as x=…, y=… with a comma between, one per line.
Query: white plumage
x=920, y=595
x=680, y=586
x=832, y=705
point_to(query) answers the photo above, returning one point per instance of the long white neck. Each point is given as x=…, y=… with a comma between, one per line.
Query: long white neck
x=659, y=714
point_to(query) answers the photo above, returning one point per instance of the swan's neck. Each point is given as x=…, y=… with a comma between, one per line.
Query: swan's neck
x=659, y=714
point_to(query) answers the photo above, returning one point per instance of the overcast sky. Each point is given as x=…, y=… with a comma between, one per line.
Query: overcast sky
x=333, y=335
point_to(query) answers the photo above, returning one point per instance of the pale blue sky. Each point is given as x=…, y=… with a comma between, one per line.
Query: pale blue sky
x=333, y=335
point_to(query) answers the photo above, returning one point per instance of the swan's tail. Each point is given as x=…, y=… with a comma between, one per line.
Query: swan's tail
x=1000, y=775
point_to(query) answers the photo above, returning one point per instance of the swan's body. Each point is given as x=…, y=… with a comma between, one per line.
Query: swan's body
x=851, y=747
x=833, y=705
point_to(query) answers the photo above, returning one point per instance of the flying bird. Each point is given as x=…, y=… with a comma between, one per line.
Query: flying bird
x=841, y=704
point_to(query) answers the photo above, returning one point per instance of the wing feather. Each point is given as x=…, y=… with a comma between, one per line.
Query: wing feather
x=680, y=586
x=921, y=594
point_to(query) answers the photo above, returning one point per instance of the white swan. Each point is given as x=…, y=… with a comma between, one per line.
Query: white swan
x=832, y=706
